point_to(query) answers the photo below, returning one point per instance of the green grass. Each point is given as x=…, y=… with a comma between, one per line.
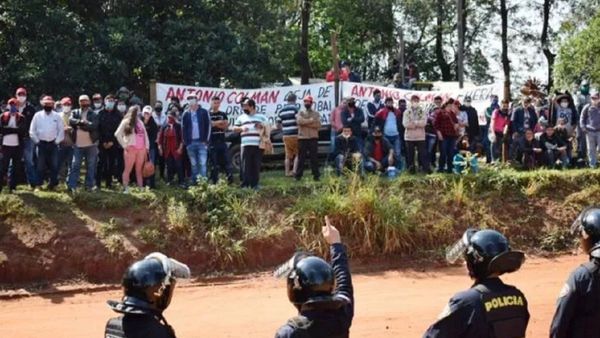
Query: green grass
x=405, y=216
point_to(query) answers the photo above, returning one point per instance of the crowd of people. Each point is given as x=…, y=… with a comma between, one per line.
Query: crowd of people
x=454, y=137
x=115, y=136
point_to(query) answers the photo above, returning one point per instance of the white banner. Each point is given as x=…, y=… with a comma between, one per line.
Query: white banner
x=268, y=100
x=480, y=96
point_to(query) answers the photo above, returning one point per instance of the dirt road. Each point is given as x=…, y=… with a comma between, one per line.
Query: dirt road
x=388, y=304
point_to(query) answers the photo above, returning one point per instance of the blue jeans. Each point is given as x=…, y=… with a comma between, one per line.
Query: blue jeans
x=431, y=143
x=90, y=154
x=593, y=142
x=198, y=154
x=447, y=151
x=47, y=160
x=65, y=157
x=30, y=164
x=397, y=146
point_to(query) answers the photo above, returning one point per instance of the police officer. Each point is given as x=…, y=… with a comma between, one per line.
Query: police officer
x=148, y=286
x=324, y=311
x=578, y=309
x=489, y=308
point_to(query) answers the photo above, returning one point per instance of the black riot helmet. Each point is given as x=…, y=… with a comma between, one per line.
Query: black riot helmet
x=589, y=222
x=486, y=252
x=310, y=279
x=152, y=280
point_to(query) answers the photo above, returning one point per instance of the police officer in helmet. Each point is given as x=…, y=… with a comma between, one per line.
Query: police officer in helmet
x=490, y=308
x=148, y=286
x=321, y=292
x=578, y=308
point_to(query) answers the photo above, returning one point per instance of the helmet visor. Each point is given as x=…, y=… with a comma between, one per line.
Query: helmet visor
x=284, y=270
x=459, y=248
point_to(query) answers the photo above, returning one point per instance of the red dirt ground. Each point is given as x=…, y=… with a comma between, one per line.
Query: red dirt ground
x=398, y=303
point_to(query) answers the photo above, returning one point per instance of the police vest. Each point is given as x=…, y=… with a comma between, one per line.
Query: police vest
x=586, y=322
x=306, y=328
x=505, y=312
x=114, y=329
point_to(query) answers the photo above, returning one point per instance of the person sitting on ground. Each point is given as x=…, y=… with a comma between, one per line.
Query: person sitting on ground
x=554, y=148
x=379, y=154
x=531, y=151
x=464, y=161
x=347, y=152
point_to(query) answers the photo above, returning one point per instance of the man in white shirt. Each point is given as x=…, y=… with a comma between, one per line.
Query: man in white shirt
x=46, y=132
x=12, y=133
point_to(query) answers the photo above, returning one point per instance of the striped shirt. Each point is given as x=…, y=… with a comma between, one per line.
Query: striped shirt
x=250, y=137
x=287, y=118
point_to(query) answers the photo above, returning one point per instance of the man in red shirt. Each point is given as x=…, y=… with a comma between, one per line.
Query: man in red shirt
x=446, y=126
x=379, y=153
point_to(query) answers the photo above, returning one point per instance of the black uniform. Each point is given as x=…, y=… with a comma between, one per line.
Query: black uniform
x=490, y=309
x=331, y=318
x=578, y=309
x=139, y=320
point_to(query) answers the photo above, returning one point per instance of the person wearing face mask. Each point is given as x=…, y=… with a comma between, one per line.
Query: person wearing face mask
x=335, y=119
x=347, y=152
x=110, y=159
x=286, y=121
x=499, y=123
x=374, y=107
x=430, y=133
x=309, y=123
x=473, y=128
x=170, y=148
x=220, y=160
x=196, y=126
x=446, y=126
x=379, y=154
x=85, y=136
x=354, y=117
x=12, y=134
x=152, y=129
x=65, y=148
x=29, y=154
x=97, y=103
x=590, y=125
x=121, y=106
x=564, y=108
x=175, y=103
x=160, y=118
x=414, y=121
x=389, y=120
x=47, y=132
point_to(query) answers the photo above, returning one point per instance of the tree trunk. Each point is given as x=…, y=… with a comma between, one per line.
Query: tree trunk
x=546, y=44
x=439, y=43
x=505, y=60
x=460, y=57
x=305, y=71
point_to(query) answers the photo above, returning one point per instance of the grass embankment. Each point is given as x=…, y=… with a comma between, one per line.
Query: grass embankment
x=220, y=228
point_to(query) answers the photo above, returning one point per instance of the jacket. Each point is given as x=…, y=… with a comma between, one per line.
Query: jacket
x=414, y=122
x=204, y=126
x=28, y=111
x=518, y=120
x=108, y=122
x=309, y=123
x=334, y=319
x=90, y=126
x=382, y=115
x=354, y=122
x=20, y=130
x=473, y=129
x=590, y=118
x=129, y=140
x=346, y=146
x=370, y=147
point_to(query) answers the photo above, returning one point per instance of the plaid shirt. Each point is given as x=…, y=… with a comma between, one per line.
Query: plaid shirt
x=444, y=123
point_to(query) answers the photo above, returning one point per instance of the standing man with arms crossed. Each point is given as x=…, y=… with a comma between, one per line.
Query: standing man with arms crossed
x=309, y=123
x=218, y=151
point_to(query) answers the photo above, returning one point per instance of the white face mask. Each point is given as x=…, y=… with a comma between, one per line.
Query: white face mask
x=22, y=99
x=97, y=105
x=192, y=102
x=66, y=109
x=121, y=108
x=467, y=104
x=564, y=104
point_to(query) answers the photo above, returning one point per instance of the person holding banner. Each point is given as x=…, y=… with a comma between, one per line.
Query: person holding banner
x=249, y=125
x=196, y=126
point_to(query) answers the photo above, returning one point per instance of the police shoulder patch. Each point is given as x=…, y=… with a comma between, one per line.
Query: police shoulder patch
x=566, y=289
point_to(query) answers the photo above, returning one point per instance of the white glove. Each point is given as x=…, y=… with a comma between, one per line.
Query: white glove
x=492, y=137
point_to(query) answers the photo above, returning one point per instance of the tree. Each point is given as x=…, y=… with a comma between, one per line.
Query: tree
x=505, y=60
x=545, y=40
x=305, y=72
x=577, y=57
